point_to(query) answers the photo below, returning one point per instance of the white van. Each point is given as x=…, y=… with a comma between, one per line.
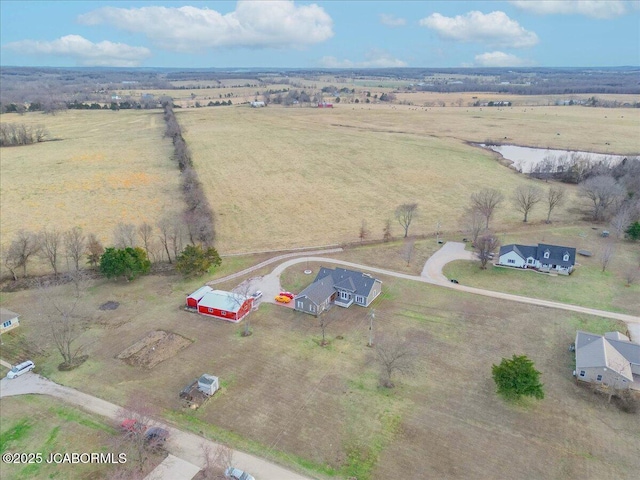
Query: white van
x=21, y=368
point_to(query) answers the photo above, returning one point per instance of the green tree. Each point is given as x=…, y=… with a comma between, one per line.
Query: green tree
x=517, y=377
x=633, y=231
x=128, y=262
x=194, y=260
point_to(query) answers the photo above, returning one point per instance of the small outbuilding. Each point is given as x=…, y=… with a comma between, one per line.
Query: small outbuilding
x=195, y=297
x=8, y=320
x=208, y=384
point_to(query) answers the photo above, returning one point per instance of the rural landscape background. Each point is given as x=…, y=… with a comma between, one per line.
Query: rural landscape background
x=207, y=143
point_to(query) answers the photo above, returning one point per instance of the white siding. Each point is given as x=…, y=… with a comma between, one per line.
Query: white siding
x=511, y=259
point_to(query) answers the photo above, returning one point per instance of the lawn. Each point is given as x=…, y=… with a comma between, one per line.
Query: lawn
x=38, y=424
x=321, y=410
x=101, y=168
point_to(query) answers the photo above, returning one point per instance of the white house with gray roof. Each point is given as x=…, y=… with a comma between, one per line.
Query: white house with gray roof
x=611, y=360
x=341, y=287
x=544, y=257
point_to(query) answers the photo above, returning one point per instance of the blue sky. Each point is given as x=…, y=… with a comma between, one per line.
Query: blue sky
x=336, y=34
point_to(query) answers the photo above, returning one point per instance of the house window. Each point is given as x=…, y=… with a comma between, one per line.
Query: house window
x=566, y=257
x=583, y=373
x=224, y=314
x=359, y=299
x=300, y=304
x=599, y=378
x=546, y=254
x=529, y=260
x=312, y=308
x=211, y=310
x=7, y=324
x=511, y=260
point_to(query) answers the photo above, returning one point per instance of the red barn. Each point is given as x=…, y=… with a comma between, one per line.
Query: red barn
x=194, y=298
x=225, y=305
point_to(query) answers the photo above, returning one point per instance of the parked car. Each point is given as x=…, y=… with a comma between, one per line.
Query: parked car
x=257, y=294
x=21, y=368
x=237, y=474
x=155, y=437
x=287, y=294
x=130, y=425
x=453, y=280
x=282, y=299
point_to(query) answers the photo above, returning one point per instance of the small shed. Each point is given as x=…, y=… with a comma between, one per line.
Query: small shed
x=195, y=297
x=8, y=320
x=208, y=384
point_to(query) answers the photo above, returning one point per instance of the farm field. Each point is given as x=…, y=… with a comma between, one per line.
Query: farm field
x=34, y=423
x=290, y=177
x=321, y=410
x=101, y=168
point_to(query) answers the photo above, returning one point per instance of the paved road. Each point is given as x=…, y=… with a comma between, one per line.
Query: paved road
x=186, y=446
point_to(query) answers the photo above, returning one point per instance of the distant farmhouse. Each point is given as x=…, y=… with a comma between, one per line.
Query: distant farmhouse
x=8, y=320
x=341, y=287
x=545, y=258
x=611, y=360
x=257, y=104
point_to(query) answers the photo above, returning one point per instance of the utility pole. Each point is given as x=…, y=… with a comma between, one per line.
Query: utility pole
x=438, y=232
x=372, y=316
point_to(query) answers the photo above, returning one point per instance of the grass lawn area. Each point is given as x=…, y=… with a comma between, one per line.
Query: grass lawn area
x=40, y=424
x=322, y=411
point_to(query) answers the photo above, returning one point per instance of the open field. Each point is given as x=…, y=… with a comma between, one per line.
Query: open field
x=587, y=285
x=321, y=409
x=285, y=177
x=103, y=168
x=38, y=424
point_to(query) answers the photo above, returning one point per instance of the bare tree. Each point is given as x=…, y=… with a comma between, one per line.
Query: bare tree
x=371, y=316
x=51, y=241
x=395, y=357
x=145, y=232
x=485, y=248
x=621, y=220
x=62, y=310
x=386, y=231
x=600, y=192
x=485, y=201
x=94, y=250
x=473, y=223
x=140, y=416
x=364, y=231
x=525, y=198
x=75, y=244
x=243, y=292
x=404, y=214
x=216, y=461
x=555, y=198
x=176, y=234
x=606, y=255
x=124, y=235
x=324, y=320
x=22, y=248
x=408, y=250
x=164, y=225
x=631, y=275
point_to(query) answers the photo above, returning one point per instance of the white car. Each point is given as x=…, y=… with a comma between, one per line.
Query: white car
x=237, y=474
x=21, y=368
x=257, y=294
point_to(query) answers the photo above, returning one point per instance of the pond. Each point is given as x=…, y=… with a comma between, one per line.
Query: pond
x=526, y=159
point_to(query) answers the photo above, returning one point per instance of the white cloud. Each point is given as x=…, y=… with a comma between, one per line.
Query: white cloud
x=588, y=8
x=494, y=28
x=373, y=59
x=499, y=59
x=275, y=24
x=392, y=20
x=87, y=53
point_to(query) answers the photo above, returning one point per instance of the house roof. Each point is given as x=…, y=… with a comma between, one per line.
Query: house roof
x=556, y=253
x=597, y=351
x=319, y=290
x=524, y=251
x=356, y=282
x=6, y=315
x=221, y=300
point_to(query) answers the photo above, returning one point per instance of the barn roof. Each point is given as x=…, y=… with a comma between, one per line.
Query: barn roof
x=221, y=300
x=199, y=293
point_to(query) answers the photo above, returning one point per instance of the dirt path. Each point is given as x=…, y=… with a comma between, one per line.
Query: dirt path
x=184, y=445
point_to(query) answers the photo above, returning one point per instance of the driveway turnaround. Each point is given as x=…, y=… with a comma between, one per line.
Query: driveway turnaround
x=186, y=446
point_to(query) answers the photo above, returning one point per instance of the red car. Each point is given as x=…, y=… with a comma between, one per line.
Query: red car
x=289, y=295
x=132, y=426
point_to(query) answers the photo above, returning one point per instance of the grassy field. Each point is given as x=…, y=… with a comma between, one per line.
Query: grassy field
x=588, y=285
x=322, y=411
x=101, y=168
x=38, y=424
x=279, y=177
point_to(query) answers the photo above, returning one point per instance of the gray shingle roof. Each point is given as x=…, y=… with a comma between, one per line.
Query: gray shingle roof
x=556, y=254
x=356, y=282
x=6, y=315
x=319, y=290
x=593, y=351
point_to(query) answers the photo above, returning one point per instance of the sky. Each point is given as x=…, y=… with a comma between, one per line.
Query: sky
x=321, y=34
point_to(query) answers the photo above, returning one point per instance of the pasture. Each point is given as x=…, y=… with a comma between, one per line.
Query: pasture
x=290, y=177
x=100, y=168
x=321, y=410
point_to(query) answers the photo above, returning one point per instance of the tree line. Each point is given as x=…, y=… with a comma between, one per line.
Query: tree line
x=13, y=134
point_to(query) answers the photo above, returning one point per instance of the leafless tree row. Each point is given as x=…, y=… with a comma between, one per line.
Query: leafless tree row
x=12, y=134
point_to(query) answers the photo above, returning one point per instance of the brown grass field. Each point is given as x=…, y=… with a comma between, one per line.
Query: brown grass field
x=102, y=168
x=290, y=177
x=320, y=410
